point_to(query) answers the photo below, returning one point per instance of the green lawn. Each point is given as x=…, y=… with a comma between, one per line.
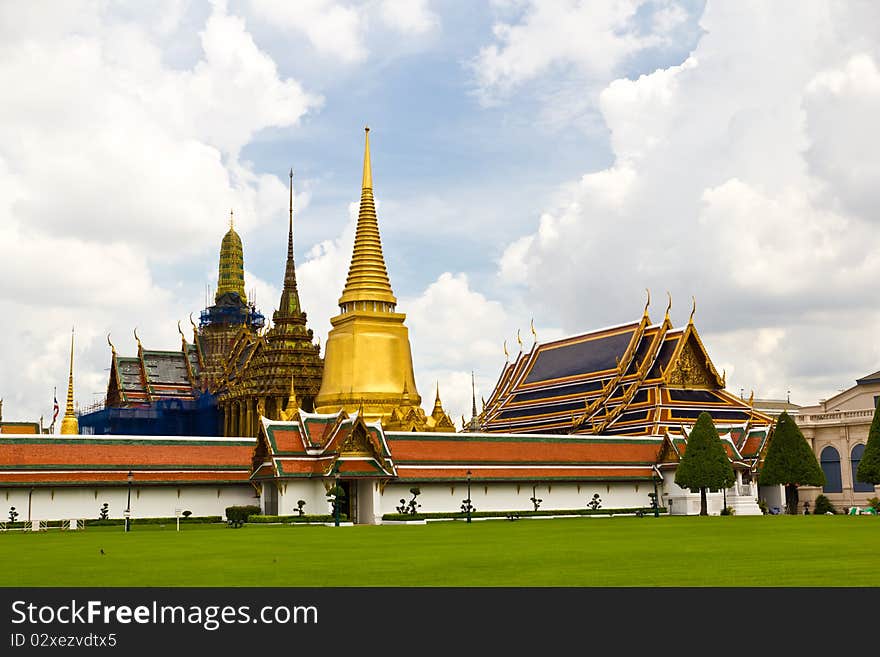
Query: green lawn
x=670, y=551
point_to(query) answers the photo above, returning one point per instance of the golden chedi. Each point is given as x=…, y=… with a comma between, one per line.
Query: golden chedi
x=367, y=359
x=69, y=423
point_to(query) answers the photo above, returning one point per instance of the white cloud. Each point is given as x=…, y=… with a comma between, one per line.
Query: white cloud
x=114, y=164
x=409, y=16
x=333, y=29
x=744, y=176
x=593, y=38
x=841, y=104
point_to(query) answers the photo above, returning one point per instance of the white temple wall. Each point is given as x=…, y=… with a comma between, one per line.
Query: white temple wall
x=448, y=497
x=84, y=503
x=312, y=491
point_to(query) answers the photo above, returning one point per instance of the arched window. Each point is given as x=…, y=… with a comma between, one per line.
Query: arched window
x=830, y=460
x=855, y=459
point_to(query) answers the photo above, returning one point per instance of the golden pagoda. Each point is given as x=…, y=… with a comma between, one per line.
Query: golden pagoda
x=367, y=359
x=230, y=318
x=69, y=423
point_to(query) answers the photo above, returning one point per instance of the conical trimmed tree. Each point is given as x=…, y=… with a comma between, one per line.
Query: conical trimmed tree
x=705, y=464
x=869, y=467
x=790, y=461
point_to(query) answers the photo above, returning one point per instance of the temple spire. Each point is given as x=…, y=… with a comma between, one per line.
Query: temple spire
x=69, y=423
x=473, y=396
x=367, y=276
x=289, y=295
x=368, y=170
x=230, y=277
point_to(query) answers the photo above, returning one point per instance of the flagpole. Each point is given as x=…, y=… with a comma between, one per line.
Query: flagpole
x=54, y=409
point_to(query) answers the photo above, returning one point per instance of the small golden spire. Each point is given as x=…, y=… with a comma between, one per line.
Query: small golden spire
x=182, y=336
x=693, y=310
x=140, y=346
x=532, y=327
x=231, y=220
x=438, y=411
x=519, y=339
x=292, y=404
x=752, y=399
x=112, y=348
x=724, y=378
x=368, y=169
x=668, y=305
x=195, y=328
x=647, y=303
x=506, y=355
x=69, y=423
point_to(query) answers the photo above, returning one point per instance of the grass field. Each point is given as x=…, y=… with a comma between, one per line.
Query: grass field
x=671, y=551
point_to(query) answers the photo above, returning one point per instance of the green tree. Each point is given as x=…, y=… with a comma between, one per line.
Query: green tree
x=705, y=464
x=869, y=467
x=790, y=461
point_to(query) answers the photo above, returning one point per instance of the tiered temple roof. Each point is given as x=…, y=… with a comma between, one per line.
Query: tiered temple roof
x=153, y=375
x=636, y=379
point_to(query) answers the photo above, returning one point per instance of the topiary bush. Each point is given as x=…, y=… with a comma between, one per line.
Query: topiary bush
x=236, y=516
x=823, y=505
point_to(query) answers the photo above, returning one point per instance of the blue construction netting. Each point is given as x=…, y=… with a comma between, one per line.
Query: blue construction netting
x=229, y=310
x=166, y=417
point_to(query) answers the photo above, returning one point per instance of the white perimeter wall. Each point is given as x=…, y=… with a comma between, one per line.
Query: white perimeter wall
x=446, y=497
x=84, y=503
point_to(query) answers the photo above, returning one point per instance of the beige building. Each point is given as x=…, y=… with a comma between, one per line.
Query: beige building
x=837, y=429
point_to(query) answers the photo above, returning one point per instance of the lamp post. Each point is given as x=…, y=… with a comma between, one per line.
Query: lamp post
x=336, y=499
x=469, y=496
x=128, y=505
x=656, y=502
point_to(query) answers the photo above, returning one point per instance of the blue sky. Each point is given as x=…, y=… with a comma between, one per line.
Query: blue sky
x=548, y=160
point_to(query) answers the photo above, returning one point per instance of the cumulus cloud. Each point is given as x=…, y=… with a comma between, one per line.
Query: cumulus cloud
x=591, y=38
x=113, y=164
x=334, y=29
x=409, y=16
x=741, y=176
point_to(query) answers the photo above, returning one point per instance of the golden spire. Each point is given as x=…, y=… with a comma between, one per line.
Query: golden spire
x=647, y=303
x=693, y=310
x=182, y=336
x=368, y=170
x=519, y=339
x=289, y=306
x=668, y=306
x=292, y=407
x=112, y=348
x=367, y=276
x=534, y=332
x=506, y=355
x=69, y=423
x=438, y=411
x=230, y=277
